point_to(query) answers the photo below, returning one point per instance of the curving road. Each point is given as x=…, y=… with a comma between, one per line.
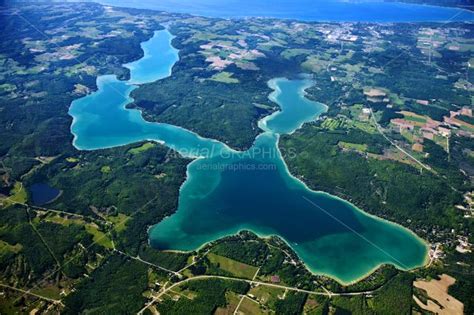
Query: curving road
x=254, y=282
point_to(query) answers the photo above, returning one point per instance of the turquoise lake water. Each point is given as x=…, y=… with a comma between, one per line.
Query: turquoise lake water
x=306, y=10
x=227, y=191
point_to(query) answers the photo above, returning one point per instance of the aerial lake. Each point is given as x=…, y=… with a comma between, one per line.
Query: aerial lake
x=227, y=191
x=306, y=10
x=42, y=193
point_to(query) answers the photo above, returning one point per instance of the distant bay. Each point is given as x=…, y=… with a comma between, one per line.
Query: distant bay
x=227, y=191
x=305, y=10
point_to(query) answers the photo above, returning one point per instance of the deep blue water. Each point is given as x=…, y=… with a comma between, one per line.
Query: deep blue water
x=307, y=10
x=42, y=193
x=227, y=191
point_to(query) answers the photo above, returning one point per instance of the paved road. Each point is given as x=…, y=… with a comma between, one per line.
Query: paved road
x=273, y=285
x=149, y=263
x=33, y=294
x=43, y=209
x=380, y=130
x=243, y=296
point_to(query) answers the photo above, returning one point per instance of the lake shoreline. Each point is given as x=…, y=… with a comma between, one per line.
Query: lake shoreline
x=336, y=11
x=267, y=139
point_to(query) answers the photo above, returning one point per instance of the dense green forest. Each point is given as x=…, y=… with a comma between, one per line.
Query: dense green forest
x=17, y=230
x=212, y=109
x=142, y=186
x=109, y=289
x=382, y=187
x=292, y=304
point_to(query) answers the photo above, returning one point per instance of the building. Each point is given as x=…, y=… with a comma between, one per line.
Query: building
x=428, y=135
x=275, y=279
x=423, y=102
x=403, y=124
x=445, y=132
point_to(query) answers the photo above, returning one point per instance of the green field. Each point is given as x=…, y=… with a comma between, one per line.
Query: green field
x=142, y=148
x=72, y=160
x=290, y=53
x=344, y=123
x=238, y=269
x=119, y=221
x=408, y=135
x=224, y=77
x=364, y=126
x=416, y=119
x=17, y=195
x=353, y=146
x=98, y=236
x=232, y=300
x=105, y=169
x=267, y=295
x=333, y=124
x=6, y=247
x=51, y=292
x=249, y=306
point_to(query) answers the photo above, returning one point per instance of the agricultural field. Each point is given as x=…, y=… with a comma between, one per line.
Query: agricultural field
x=236, y=268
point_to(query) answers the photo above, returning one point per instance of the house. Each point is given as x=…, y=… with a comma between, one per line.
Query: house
x=275, y=279
x=428, y=135
x=403, y=124
x=445, y=132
